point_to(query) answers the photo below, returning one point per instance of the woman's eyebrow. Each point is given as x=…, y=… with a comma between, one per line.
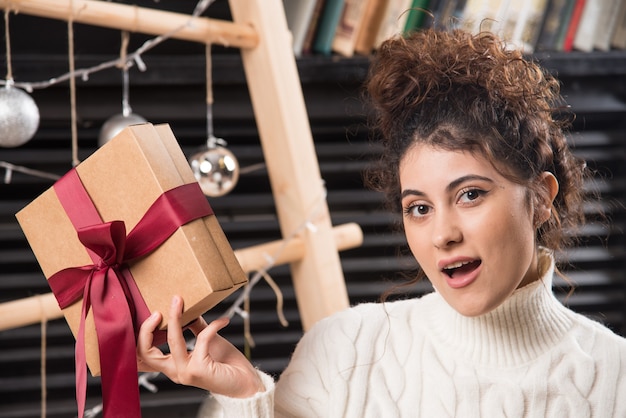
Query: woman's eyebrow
x=453, y=185
x=470, y=177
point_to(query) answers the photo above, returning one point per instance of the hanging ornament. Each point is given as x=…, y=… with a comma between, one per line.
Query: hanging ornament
x=19, y=116
x=216, y=168
x=116, y=123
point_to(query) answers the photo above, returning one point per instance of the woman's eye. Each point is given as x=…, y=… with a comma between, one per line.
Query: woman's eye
x=417, y=210
x=471, y=195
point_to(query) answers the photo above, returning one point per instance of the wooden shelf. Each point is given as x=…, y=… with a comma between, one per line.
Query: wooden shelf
x=228, y=69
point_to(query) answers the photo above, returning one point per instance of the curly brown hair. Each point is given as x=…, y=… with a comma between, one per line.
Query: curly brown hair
x=460, y=91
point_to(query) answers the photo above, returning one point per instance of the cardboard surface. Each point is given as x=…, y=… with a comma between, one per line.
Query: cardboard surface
x=123, y=178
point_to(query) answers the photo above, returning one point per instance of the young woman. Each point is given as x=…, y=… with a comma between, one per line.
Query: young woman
x=486, y=184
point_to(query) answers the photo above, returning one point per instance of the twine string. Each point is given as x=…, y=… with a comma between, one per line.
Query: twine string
x=43, y=367
x=73, y=116
x=125, y=64
x=7, y=39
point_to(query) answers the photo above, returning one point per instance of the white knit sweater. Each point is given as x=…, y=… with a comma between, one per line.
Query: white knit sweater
x=531, y=357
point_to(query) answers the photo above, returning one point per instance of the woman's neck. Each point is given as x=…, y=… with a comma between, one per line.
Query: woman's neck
x=524, y=326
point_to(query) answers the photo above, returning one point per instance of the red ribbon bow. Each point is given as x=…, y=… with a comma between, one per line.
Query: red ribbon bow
x=107, y=286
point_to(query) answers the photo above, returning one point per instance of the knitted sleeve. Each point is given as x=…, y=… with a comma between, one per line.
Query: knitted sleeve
x=261, y=405
x=314, y=382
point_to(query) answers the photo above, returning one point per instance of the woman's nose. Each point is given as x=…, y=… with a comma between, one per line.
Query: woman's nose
x=446, y=230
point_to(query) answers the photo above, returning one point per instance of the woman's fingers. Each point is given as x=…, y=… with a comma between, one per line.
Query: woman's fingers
x=175, y=338
x=149, y=358
x=197, y=326
x=146, y=336
x=205, y=338
x=214, y=364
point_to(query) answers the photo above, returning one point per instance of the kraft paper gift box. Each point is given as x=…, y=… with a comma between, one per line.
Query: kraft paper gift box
x=123, y=178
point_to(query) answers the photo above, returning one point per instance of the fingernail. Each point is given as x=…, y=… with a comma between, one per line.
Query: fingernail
x=175, y=300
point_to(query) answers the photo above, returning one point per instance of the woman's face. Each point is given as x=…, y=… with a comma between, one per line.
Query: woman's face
x=469, y=228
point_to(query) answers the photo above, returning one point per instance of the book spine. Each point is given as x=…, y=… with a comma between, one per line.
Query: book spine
x=394, y=21
x=372, y=20
x=565, y=20
x=416, y=14
x=606, y=25
x=585, y=34
x=618, y=39
x=307, y=46
x=550, y=28
x=568, y=43
x=327, y=26
x=348, y=27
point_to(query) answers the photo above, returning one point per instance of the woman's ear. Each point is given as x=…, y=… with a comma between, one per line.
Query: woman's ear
x=549, y=187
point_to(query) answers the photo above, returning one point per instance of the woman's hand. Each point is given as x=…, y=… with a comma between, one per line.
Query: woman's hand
x=214, y=365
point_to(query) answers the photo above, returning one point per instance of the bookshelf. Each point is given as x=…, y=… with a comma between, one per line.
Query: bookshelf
x=584, y=64
x=228, y=70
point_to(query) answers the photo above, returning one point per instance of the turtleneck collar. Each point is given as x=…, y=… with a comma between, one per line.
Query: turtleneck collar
x=522, y=328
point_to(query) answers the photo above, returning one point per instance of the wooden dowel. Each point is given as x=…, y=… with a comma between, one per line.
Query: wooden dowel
x=34, y=309
x=139, y=19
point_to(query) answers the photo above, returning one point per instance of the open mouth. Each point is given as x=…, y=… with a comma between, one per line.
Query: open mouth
x=461, y=268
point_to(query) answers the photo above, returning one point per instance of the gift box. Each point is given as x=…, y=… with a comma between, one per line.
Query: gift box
x=123, y=179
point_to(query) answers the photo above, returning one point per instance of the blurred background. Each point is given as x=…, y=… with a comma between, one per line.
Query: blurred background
x=172, y=89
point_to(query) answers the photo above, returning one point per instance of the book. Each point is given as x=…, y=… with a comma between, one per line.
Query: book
x=372, y=19
x=416, y=15
x=564, y=22
x=430, y=18
x=329, y=19
x=498, y=16
x=549, y=32
x=298, y=14
x=606, y=24
x=568, y=42
x=307, y=46
x=589, y=21
x=448, y=13
x=523, y=24
x=394, y=20
x=481, y=15
x=618, y=39
x=348, y=27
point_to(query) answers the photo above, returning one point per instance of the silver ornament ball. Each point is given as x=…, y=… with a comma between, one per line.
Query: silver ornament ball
x=115, y=124
x=19, y=117
x=216, y=169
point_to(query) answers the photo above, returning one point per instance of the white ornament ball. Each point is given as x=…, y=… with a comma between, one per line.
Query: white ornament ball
x=216, y=169
x=19, y=117
x=115, y=124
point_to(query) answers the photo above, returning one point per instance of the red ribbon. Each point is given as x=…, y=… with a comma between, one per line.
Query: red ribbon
x=107, y=286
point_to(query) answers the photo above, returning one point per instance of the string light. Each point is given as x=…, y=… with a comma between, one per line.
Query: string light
x=134, y=57
x=126, y=60
x=10, y=168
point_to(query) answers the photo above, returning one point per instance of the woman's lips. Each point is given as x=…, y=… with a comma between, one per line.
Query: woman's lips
x=461, y=274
